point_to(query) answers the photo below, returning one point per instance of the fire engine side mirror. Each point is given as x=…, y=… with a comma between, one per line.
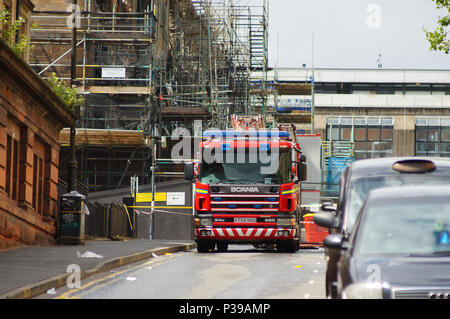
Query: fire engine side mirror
x=302, y=173
x=189, y=171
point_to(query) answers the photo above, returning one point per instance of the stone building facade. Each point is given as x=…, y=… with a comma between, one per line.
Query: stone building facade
x=31, y=117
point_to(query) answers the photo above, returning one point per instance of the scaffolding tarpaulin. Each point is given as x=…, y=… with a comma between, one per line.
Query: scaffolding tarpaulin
x=311, y=188
x=336, y=166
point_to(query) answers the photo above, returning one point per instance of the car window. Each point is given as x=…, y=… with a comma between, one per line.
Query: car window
x=341, y=198
x=360, y=188
x=405, y=226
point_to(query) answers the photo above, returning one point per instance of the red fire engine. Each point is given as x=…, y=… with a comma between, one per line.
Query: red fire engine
x=247, y=187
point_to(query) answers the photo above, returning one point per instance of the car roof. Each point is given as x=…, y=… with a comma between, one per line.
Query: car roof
x=383, y=166
x=409, y=192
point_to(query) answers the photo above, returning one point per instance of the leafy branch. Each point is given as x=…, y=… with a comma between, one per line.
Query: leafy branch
x=9, y=29
x=65, y=93
x=438, y=38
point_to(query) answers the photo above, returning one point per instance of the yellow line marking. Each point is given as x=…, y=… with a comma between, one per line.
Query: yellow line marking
x=27, y=293
x=98, y=282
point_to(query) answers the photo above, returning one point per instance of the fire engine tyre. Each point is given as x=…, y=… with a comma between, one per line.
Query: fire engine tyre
x=291, y=246
x=222, y=246
x=204, y=246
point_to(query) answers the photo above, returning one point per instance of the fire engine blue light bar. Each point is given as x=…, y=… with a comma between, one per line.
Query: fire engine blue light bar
x=245, y=133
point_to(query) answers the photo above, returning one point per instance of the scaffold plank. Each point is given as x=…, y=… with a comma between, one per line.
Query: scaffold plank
x=103, y=137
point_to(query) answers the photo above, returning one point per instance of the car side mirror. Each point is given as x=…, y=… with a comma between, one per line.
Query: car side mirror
x=328, y=206
x=326, y=219
x=189, y=171
x=335, y=241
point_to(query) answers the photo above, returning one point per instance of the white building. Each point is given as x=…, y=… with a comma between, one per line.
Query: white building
x=383, y=111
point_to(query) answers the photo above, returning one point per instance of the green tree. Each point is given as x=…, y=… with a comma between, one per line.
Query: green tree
x=438, y=38
x=9, y=29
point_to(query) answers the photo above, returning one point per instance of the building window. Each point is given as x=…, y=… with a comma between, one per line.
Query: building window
x=12, y=160
x=433, y=137
x=372, y=136
x=440, y=89
x=12, y=167
x=39, y=171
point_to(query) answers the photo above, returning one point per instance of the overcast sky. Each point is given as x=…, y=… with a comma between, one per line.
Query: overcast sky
x=351, y=33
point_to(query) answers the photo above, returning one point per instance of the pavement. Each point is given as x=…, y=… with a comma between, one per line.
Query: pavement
x=30, y=271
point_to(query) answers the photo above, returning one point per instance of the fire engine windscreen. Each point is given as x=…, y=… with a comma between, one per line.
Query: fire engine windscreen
x=247, y=167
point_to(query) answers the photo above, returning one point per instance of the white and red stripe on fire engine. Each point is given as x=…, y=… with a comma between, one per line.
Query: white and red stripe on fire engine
x=246, y=233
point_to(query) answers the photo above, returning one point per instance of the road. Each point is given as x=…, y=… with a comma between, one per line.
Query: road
x=243, y=272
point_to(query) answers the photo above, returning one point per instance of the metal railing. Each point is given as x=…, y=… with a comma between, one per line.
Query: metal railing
x=118, y=22
x=115, y=47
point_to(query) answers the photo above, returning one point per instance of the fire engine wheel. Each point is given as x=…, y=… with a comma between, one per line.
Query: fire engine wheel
x=204, y=246
x=222, y=247
x=291, y=246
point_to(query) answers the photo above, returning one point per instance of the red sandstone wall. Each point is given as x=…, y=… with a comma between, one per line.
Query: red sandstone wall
x=30, y=112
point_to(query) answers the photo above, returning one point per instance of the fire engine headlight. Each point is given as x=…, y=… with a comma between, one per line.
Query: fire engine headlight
x=367, y=290
x=285, y=222
x=206, y=222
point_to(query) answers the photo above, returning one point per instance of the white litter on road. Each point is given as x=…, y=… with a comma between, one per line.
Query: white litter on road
x=51, y=291
x=88, y=254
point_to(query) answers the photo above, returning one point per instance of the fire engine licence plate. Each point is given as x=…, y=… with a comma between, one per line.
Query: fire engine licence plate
x=244, y=220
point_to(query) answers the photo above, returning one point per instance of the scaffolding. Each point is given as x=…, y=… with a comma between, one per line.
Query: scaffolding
x=113, y=70
x=150, y=67
x=336, y=156
x=216, y=47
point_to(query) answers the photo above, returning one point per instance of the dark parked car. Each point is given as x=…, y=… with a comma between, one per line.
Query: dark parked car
x=360, y=178
x=400, y=246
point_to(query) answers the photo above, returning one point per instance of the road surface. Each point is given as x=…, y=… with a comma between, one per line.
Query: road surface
x=243, y=272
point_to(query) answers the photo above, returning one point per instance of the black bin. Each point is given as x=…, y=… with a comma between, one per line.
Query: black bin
x=72, y=218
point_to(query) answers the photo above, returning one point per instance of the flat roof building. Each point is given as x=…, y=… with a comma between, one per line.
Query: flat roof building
x=384, y=112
